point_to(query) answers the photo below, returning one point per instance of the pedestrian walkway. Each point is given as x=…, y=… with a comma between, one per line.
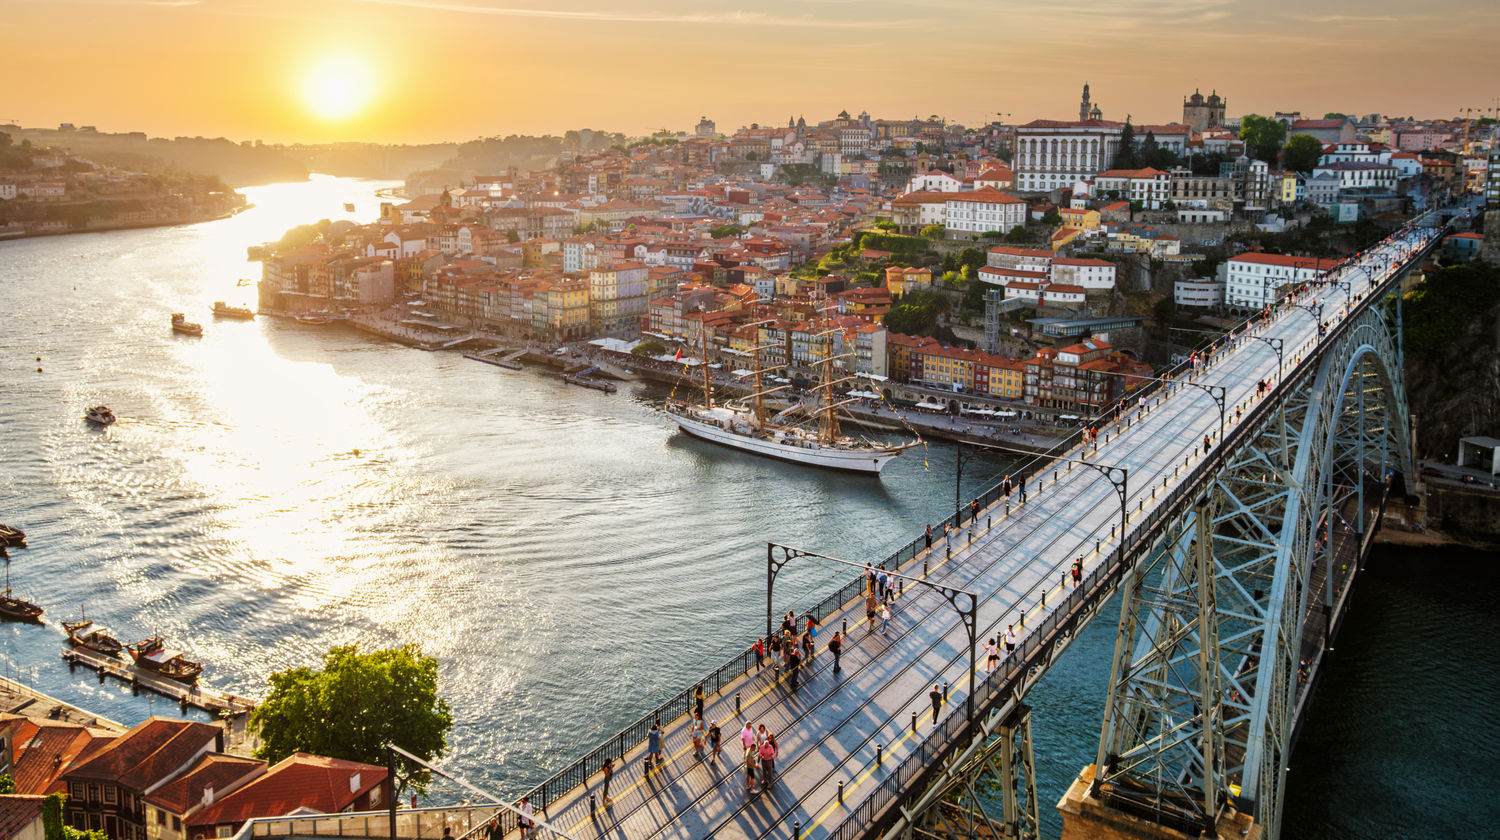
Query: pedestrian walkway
x=847, y=739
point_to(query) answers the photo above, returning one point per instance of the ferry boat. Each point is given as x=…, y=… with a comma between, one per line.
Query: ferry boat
x=87, y=634
x=100, y=415
x=239, y=313
x=747, y=428
x=181, y=324
x=11, y=537
x=13, y=608
x=153, y=655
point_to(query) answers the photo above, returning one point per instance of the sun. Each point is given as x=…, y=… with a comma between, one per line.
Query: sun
x=338, y=88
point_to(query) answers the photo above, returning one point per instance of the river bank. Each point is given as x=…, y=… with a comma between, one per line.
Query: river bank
x=9, y=236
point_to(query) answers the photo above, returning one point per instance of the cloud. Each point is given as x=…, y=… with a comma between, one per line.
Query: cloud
x=709, y=18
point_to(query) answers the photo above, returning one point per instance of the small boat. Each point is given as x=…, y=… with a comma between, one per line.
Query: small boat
x=310, y=318
x=100, y=415
x=181, y=324
x=153, y=655
x=348, y=207
x=239, y=313
x=13, y=608
x=87, y=634
x=12, y=537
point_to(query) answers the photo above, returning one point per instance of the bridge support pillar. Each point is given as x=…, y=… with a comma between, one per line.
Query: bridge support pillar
x=989, y=792
x=1087, y=817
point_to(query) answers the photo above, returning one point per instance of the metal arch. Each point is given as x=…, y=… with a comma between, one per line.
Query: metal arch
x=968, y=613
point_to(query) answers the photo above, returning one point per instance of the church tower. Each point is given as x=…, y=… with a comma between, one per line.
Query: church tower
x=1083, y=108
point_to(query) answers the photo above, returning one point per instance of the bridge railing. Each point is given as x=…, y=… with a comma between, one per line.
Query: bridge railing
x=926, y=758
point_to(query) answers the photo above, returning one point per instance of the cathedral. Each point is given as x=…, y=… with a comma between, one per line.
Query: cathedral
x=1087, y=111
x=1199, y=113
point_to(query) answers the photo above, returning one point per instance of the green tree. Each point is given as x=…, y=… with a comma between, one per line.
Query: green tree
x=974, y=295
x=1127, y=156
x=886, y=225
x=649, y=348
x=1263, y=136
x=971, y=258
x=53, y=827
x=1301, y=153
x=1018, y=235
x=1052, y=217
x=933, y=232
x=356, y=705
x=726, y=231
x=7, y=784
x=910, y=319
x=1335, y=115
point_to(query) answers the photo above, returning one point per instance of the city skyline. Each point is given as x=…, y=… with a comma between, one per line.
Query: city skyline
x=417, y=71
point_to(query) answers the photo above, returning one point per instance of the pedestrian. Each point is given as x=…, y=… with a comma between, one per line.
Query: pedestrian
x=653, y=747
x=698, y=700
x=974, y=509
x=812, y=627
x=807, y=645
x=869, y=577
x=749, y=776
x=929, y=540
x=492, y=831
x=697, y=732
x=767, y=761
x=776, y=653
x=1205, y=444
x=1005, y=489
x=870, y=605
x=526, y=811
x=608, y=768
x=793, y=666
x=760, y=652
x=715, y=741
x=991, y=654
x=747, y=740
x=1078, y=571
x=881, y=578
x=836, y=645
x=936, y=696
x=1010, y=639
x=448, y=833
x=885, y=618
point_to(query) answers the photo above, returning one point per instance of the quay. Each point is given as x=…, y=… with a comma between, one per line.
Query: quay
x=17, y=698
x=209, y=700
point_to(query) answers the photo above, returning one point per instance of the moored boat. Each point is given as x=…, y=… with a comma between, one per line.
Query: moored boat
x=747, y=428
x=87, y=634
x=239, y=313
x=317, y=318
x=99, y=415
x=153, y=655
x=13, y=608
x=181, y=324
x=12, y=537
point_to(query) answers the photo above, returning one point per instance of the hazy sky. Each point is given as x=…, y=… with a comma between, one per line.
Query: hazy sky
x=430, y=70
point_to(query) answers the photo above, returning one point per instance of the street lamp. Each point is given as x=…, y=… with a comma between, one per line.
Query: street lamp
x=778, y=556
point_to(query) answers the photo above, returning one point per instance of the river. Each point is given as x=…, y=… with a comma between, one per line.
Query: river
x=275, y=489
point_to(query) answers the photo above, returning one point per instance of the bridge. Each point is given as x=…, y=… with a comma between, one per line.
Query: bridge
x=1230, y=504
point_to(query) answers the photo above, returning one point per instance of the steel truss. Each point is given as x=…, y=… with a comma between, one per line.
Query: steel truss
x=1226, y=614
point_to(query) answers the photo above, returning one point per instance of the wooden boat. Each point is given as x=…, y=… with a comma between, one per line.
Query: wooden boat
x=13, y=608
x=313, y=318
x=100, y=415
x=238, y=313
x=181, y=324
x=153, y=655
x=13, y=537
x=87, y=634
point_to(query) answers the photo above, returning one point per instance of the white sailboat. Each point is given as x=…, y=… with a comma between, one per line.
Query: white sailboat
x=746, y=427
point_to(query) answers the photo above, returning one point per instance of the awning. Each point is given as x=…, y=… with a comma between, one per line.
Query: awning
x=1067, y=417
x=931, y=405
x=868, y=395
x=1005, y=414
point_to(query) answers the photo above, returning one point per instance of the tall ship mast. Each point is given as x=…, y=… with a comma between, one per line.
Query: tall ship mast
x=746, y=427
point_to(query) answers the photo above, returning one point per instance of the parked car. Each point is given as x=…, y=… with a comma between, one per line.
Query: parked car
x=1431, y=471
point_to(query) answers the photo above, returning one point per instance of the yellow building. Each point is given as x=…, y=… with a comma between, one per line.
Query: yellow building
x=1081, y=218
x=1006, y=378
x=900, y=280
x=1288, y=187
x=567, y=304
x=1063, y=236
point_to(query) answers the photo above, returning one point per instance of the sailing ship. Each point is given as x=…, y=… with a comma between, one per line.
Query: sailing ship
x=239, y=313
x=13, y=608
x=153, y=655
x=746, y=427
x=87, y=634
x=181, y=324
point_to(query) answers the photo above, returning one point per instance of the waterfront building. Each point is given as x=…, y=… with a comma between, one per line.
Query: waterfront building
x=618, y=297
x=107, y=789
x=210, y=779
x=298, y=783
x=1084, y=378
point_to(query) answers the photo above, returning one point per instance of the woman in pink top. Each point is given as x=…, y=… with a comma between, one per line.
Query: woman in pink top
x=747, y=738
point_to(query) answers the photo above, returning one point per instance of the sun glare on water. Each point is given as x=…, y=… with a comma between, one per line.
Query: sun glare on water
x=338, y=88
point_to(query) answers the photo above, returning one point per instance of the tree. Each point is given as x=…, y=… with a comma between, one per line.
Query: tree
x=1263, y=135
x=971, y=258
x=751, y=156
x=1052, y=217
x=933, y=232
x=356, y=705
x=649, y=348
x=53, y=827
x=7, y=784
x=1126, y=157
x=1301, y=153
x=910, y=319
x=1017, y=235
x=1335, y=115
x=726, y=231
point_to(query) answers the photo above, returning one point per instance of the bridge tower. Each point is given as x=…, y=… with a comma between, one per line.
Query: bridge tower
x=1228, y=609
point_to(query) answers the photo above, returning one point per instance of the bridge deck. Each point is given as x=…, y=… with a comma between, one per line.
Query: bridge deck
x=828, y=730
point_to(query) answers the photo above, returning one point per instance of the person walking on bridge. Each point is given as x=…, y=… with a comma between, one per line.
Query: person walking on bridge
x=698, y=701
x=715, y=741
x=1206, y=444
x=929, y=545
x=1078, y=571
x=936, y=696
x=767, y=761
x=608, y=769
x=747, y=740
x=836, y=645
x=885, y=619
x=991, y=655
x=653, y=747
x=1010, y=639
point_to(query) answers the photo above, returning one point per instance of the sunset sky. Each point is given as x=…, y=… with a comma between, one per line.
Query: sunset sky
x=432, y=70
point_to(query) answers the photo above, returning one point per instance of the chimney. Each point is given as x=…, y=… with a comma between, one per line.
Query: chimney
x=208, y=795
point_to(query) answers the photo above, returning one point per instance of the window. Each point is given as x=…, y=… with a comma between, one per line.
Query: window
x=109, y=794
x=176, y=823
x=161, y=817
x=224, y=831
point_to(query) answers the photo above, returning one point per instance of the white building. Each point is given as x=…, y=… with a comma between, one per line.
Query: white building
x=984, y=210
x=7, y=192
x=1021, y=259
x=1198, y=292
x=1052, y=154
x=1353, y=175
x=934, y=180
x=1254, y=280
x=1153, y=187
x=1090, y=274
